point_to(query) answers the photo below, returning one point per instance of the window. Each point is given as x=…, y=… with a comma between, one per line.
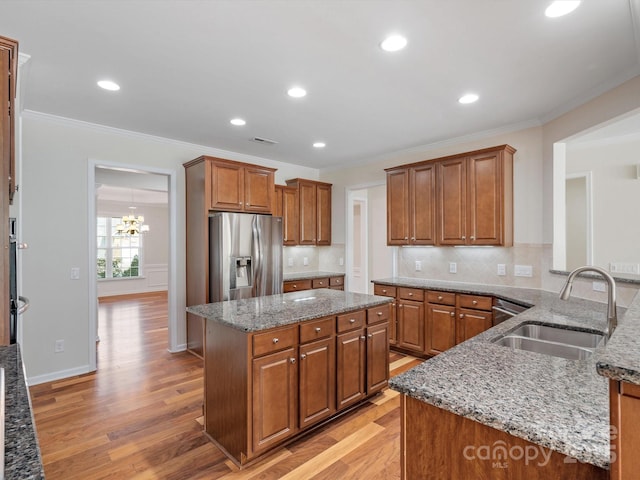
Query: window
x=118, y=255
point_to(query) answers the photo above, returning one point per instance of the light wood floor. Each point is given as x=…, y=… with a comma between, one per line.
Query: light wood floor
x=139, y=416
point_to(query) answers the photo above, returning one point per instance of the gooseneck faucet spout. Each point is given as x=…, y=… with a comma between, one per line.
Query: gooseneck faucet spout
x=612, y=316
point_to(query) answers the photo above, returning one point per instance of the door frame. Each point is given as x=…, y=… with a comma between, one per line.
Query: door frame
x=92, y=271
x=588, y=184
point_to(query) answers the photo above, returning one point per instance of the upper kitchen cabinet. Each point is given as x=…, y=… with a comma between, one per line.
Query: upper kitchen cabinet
x=463, y=199
x=240, y=187
x=286, y=206
x=314, y=207
x=411, y=213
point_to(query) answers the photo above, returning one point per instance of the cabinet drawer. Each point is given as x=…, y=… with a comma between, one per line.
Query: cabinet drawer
x=274, y=340
x=441, y=298
x=320, y=283
x=384, y=290
x=296, y=285
x=411, y=294
x=317, y=329
x=378, y=314
x=350, y=321
x=630, y=389
x=336, y=281
x=475, y=301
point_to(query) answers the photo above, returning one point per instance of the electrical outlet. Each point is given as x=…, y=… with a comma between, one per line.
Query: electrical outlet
x=523, y=271
x=599, y=287
x=341, y=261
x=418, y=266
x=290, y=262
x=305, y=261
x=453, y=267
x=75, y=273
x=58, y=346
x=502, y=269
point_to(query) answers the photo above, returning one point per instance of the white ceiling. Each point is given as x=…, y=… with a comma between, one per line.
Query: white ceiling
x=187, y=67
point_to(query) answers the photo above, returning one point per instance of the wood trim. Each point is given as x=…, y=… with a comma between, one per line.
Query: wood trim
x=133, y=296
x=505, y=147
x=202, y=158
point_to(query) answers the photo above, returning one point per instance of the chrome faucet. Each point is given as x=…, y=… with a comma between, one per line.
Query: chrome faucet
x=612, y=316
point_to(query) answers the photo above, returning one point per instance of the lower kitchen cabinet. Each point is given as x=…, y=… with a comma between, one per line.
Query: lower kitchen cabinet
x=263, y=389
x=410, y=334
x=441, y=328
x=471, y=323
x=624, y=400
x=335, y=283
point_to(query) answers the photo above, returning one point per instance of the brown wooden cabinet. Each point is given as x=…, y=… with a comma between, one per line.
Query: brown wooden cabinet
x=240, y=187
x=314, y=209
x=411, y=319
x=625, y=429
x=463, y=199
x=286, y=206
x=279, y=382
x=441, y=322
x=387, y=291
x=411, y=214
x=223, y=185
x=335, y=282
x=8, y=75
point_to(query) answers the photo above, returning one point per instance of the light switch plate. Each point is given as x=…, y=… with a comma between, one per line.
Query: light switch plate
x=418, y=266
x=305, y=261
x=75, y=273
x=502, y=269
x=290, y=262
x=523, y=271
x=453, y=267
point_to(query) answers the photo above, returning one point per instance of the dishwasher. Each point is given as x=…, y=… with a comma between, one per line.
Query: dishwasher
x=504, y=310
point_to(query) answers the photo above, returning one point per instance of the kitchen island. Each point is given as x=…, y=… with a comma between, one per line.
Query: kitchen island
x=481, y=410
x=278, y=366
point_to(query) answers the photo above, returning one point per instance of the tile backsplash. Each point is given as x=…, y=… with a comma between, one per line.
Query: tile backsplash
x=318, y=258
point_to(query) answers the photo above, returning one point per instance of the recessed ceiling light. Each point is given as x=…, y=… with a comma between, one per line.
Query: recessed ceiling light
x=319, y=145
x=393, y=43
x=468, y=98
x=296, y=92
x=237, y=122
x=561, y=7
x=109, y=85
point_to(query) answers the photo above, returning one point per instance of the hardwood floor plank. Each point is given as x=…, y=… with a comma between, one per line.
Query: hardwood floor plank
x=137, y=416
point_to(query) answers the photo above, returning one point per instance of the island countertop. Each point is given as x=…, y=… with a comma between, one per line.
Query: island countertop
x=560, y=404
x=297, y=276
x=261, y=313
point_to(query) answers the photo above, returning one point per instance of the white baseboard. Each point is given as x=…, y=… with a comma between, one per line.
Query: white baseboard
x=59, y=375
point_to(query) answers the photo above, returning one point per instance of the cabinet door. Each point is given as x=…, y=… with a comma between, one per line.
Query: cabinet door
x=290, y=216
x=485, y=217
x=277, y=202
x=308, y=205
x=471, y=323
x=350, y=368
x=275, y=398
x=227, y=187
x=398, y=207
x=422, y=211
x=410, y=333
x=323, y=193
x=377, y=357
x=317, y=381
x=452, y=194
x=441, y=328
x=258, y=190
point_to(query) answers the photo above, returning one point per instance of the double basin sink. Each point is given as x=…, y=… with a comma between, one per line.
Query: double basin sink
x=551, y=340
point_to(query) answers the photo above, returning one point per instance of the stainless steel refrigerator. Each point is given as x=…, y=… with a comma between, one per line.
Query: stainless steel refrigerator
x=245, y=256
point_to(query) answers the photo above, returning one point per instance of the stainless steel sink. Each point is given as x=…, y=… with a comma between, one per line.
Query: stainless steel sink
x=577, y=338
x=549, y=340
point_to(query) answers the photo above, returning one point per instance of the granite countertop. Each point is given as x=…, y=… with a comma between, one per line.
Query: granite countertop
x=22, y=452
x=287, y=277
x=260, y=313
x=560, y=404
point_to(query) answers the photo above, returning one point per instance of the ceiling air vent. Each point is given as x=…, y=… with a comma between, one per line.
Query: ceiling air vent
x=264, y=141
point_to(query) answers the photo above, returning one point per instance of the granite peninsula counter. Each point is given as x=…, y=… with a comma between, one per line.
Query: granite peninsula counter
x=549, y=401
x=279, y=365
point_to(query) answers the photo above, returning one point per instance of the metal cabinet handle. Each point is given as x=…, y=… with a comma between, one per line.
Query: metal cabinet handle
x=462, y=315
x=318, y=329
x=475, y=302
x=400, y=306
x=303, y=356
x=25, y=304
x=410, y=294
x=363, y=337
x=370, y=335
x=439, y=297
x=275, y=340
x=379, y=314
x=320, y=283
x=413, y=238
x=452, y=314
x=352, y=320
x=295, y=286
x=406, y=238
x=473, y=237
x=292, y=360
x=384, y=290
x=463, y=237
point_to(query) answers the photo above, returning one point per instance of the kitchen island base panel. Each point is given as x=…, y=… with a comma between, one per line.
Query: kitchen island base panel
x=437, y=444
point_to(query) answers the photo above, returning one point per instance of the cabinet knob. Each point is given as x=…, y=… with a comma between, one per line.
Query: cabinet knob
x=439, y=297
x=413, y=238
x=473, y=237
x=275, y=340
x=292, y=360
x=295, y=286
x=318, y=329
x=475, y=302
x=406, y=238
x=303, y=356
x=362, y=337
x=321, y=283
x=370, y=335
x=352, y=320
x=452, y=314
x=410, y=294
x=384, y=291
x=393, y=304
x=462, y=315
x=463, y=237
x=400, y=306
x=379, y=314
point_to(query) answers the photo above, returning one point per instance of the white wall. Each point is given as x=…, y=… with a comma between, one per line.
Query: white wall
x=54, y=223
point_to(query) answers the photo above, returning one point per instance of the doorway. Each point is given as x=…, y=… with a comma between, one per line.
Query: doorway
x=151, y=192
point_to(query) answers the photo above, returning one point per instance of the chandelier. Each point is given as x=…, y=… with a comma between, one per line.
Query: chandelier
x=132, y=225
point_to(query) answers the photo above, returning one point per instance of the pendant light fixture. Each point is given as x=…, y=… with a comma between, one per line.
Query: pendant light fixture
x=132, y=225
